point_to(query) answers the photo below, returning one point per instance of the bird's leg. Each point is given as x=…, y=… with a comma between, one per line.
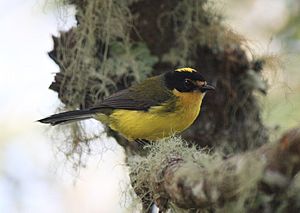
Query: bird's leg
x=141, y=143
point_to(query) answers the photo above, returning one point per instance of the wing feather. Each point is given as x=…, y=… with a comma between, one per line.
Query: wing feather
x=151, y=92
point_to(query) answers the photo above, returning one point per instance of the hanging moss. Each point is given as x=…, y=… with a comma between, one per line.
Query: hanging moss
x=97, y=58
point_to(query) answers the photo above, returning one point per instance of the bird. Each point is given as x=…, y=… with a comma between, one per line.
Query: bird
x=158, y=107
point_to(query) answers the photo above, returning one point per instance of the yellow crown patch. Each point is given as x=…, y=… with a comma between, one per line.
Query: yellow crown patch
x=185, y=69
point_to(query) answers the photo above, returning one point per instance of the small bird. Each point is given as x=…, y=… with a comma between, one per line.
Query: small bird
x=158, y=107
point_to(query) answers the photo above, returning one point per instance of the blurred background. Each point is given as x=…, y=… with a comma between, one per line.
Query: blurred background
x=35, y=175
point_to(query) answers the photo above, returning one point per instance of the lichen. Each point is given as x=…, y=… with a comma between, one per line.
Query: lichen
x=244, y=175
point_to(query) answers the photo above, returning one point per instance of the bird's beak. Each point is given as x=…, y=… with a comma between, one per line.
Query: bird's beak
x=206, y=88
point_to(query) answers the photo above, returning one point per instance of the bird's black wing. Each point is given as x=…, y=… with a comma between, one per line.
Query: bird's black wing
x=151, y=92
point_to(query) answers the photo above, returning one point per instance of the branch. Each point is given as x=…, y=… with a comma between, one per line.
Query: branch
x=184, y=181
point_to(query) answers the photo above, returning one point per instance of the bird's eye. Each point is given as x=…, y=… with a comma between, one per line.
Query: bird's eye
x=188, y=83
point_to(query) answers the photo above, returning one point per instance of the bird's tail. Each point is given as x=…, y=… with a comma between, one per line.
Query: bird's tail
x=66, y=117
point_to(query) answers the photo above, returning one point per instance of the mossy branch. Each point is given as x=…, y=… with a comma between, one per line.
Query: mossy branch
x=189, y=183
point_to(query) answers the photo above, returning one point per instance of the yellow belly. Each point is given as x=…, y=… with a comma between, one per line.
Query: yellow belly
x=156, y=123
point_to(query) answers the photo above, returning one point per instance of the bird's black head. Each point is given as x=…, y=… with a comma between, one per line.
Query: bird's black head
x=186, y=80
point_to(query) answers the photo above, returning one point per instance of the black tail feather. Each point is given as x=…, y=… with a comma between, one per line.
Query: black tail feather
x=65, y=117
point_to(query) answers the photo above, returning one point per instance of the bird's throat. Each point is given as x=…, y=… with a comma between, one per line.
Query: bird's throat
x=189, y=99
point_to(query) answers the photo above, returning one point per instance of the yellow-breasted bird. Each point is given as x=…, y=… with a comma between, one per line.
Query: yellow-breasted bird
x=156, y=108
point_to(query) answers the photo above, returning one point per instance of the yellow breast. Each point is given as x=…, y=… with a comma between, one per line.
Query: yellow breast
x=157, y=122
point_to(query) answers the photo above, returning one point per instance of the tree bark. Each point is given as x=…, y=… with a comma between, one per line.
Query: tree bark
x=177, y=34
